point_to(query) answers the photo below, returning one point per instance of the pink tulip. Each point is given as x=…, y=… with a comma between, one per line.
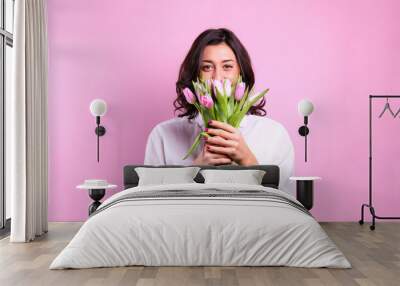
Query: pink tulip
x=239, y=92
x=228, y=87
x=218, y=87
x=206, y=101
x=189, y=96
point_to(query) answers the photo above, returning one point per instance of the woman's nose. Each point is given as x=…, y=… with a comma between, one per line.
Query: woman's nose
x=218, y=74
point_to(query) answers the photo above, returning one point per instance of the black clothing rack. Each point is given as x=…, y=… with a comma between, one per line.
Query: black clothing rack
x=369, y=205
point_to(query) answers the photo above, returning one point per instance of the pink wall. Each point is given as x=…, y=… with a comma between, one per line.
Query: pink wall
x=128, y=53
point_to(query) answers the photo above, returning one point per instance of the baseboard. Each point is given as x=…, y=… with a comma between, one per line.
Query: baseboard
x=5, y=231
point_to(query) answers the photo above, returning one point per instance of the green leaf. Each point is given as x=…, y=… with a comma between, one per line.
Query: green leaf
x=213, y=112
x=249, y=104
x=222, y=106
x=198, y=107
x=193, y=147
x=195, y=144
x=254, y=100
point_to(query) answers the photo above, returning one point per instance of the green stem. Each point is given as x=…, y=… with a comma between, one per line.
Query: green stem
x=195, y=144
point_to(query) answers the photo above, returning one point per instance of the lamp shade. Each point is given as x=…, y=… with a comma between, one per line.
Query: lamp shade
x=305, y=107
x=98, y=107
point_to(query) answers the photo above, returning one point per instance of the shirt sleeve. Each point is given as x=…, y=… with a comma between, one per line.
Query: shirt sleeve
x=154, y=154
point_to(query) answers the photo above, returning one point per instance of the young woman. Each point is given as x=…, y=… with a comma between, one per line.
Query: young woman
x=218, y=54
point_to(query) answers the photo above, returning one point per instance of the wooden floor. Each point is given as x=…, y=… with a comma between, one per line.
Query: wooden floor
x=375, y=257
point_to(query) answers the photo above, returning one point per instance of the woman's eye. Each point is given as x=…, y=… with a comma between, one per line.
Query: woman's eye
x=206, y=68
x=228, y=66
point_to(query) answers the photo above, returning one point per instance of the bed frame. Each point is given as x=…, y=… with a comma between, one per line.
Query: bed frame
x=270, y=179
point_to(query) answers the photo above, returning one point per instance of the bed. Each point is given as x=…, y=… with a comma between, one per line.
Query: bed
x=201, y=224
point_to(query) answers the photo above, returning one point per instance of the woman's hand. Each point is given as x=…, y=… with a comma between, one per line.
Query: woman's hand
x=227, y=140
x=209, y=158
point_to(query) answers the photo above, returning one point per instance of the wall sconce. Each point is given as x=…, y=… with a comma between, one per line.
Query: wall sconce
x=305, y=108
x=98, y=108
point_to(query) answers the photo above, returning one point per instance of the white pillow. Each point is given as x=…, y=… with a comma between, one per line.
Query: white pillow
x=163, y=176
x=249, y=177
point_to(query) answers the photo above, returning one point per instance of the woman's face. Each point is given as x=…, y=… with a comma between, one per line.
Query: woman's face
x=219, y=62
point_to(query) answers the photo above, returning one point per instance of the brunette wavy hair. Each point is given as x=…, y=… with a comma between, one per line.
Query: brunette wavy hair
x=190, y=68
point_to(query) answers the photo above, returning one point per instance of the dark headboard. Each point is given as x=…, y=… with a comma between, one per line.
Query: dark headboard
x=270, y=179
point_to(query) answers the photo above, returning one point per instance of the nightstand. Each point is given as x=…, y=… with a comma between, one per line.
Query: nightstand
x=305, y=190
x=97, y=190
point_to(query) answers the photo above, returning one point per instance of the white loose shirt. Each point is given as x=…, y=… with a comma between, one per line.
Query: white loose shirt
x=269, y=141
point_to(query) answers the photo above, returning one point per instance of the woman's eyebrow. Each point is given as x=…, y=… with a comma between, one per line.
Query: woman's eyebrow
x=224, y=61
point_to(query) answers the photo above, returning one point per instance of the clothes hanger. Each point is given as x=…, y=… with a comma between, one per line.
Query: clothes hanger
x=397, y=113
x=387, y=106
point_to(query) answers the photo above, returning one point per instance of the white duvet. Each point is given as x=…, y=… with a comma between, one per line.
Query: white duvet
x=200, y=231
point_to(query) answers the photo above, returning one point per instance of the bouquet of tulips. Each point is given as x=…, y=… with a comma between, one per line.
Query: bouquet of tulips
x=222, y=101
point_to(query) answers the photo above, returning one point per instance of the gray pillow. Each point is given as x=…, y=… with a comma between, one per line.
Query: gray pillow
x=249, y=177
x=162, y=176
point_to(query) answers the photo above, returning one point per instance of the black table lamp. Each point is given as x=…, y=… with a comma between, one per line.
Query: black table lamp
x=98, y=108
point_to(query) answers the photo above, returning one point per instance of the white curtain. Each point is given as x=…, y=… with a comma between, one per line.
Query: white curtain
x=26, y=123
